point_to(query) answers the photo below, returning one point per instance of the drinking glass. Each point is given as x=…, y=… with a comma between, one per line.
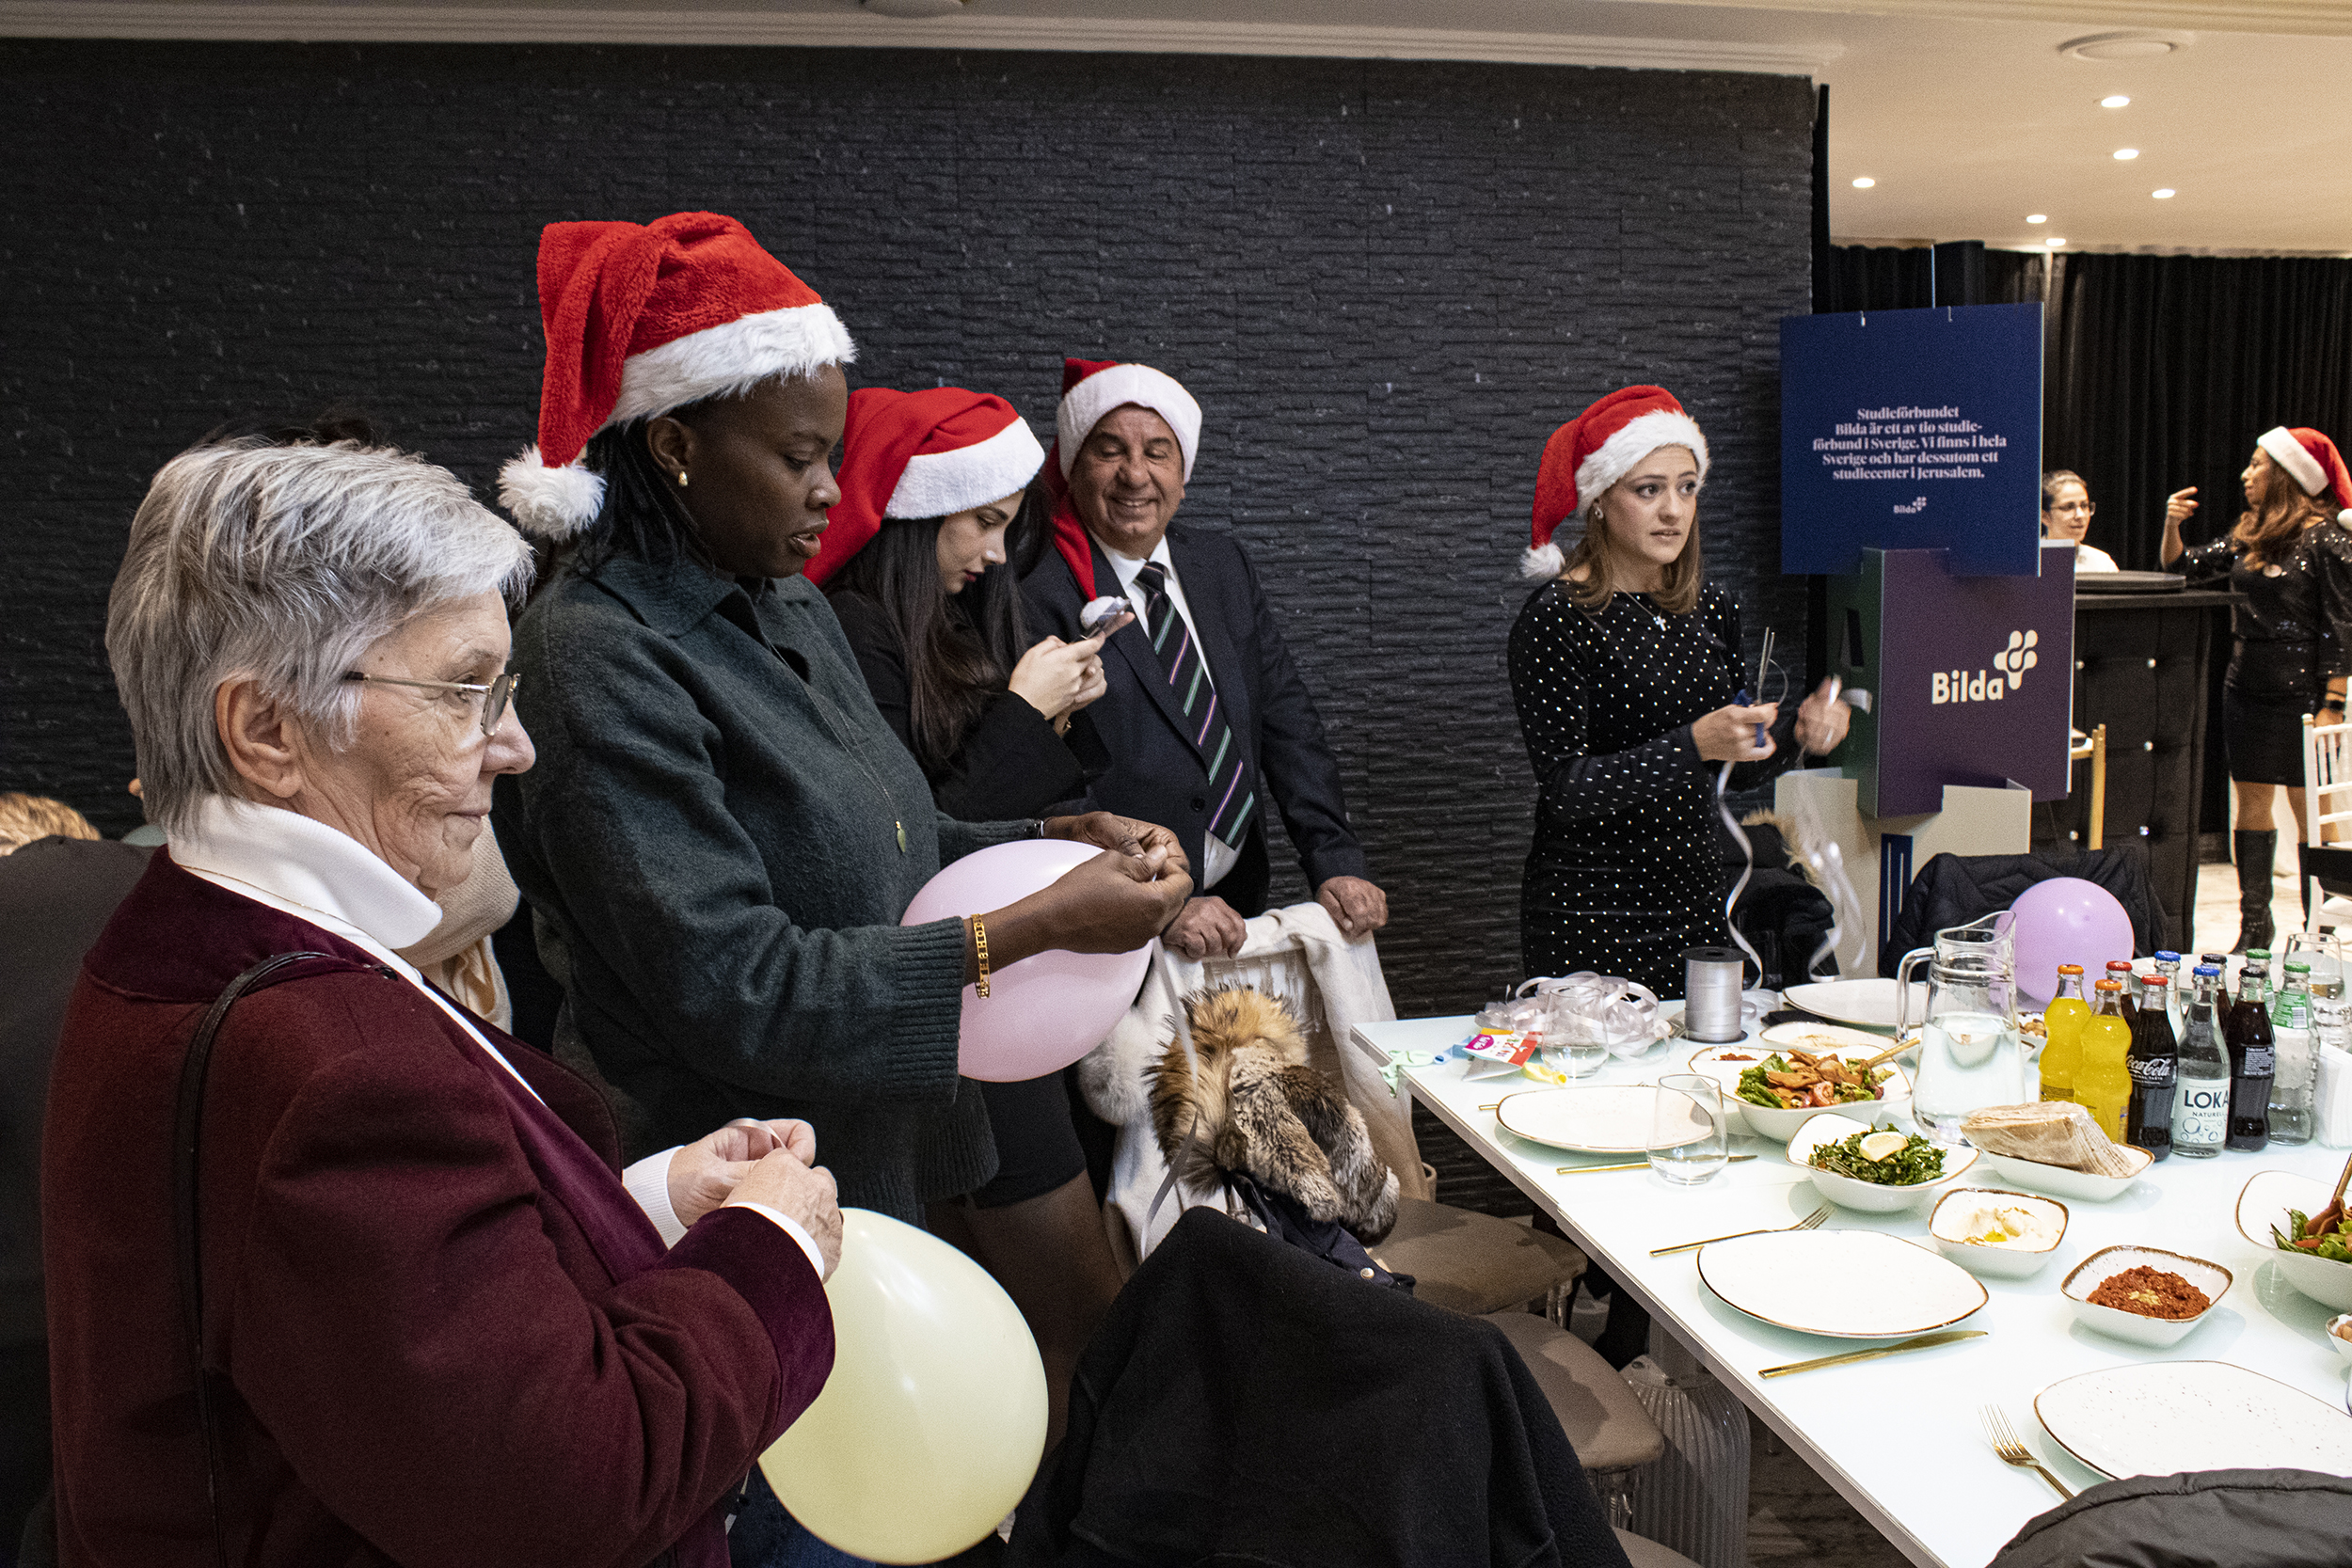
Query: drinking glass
x=1687, y=1143
x=2326, y=957
x=1572, y=1045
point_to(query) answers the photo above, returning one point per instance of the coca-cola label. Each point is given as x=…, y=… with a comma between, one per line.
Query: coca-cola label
x=2201, y=1110
x=2154, y=1071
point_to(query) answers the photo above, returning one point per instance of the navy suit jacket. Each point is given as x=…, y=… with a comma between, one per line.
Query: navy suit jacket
x=1157, y=773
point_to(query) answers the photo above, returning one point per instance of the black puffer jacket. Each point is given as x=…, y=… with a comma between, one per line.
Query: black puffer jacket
x=1953, y=890
x=2210, y=1519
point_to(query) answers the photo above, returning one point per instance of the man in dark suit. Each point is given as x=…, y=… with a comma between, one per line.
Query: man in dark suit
x=1207, y=723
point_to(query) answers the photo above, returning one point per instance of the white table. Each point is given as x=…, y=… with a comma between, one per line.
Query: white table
x=1900, y=1438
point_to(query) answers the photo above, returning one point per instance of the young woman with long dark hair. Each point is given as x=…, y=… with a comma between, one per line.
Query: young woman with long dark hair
x=2292, y=630
x=918, y=563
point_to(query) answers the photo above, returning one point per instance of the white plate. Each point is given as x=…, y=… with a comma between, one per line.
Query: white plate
x=1591, y=1118
x=1818, y=1037
x=1846, y=1284
x=2267, y=1197
x=1771, y=1121
x=2162, y=1418
x=2080, y=1184
x=1851, y=1192
x=1868, y=1003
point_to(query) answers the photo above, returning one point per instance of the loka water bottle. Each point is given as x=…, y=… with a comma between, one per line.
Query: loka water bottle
x=2200, y=1103
x=2296, y=1072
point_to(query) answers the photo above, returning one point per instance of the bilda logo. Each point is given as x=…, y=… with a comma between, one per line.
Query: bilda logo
x=2008, y=673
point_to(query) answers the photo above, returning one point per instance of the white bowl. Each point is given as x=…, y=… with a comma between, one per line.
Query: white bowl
x=2162, y=1332
x=2340, y=1334
x=1993, y=1259
x=2263, y=1203
x=1778, y=1124
x=2080, y=1185
x=1828, y=1127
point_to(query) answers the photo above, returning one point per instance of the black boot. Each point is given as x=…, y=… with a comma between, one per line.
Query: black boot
x=2256, y=855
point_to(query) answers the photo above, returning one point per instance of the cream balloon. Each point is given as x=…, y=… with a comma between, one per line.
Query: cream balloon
x=931, y=1425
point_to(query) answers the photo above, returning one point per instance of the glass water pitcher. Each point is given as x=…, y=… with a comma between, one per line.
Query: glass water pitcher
x=1969, y=1054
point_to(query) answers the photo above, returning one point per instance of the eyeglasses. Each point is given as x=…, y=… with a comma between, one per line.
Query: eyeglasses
x=2086, y=508
x=494, y=696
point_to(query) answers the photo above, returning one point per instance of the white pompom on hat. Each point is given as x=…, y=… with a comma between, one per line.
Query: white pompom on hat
x=1594, y=451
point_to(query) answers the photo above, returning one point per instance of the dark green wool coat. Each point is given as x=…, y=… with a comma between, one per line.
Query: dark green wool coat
x=710, y=841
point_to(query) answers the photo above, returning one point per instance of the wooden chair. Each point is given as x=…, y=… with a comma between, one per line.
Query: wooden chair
x=2093, y=746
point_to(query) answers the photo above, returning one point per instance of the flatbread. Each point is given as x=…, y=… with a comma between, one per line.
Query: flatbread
x=2050, y=1133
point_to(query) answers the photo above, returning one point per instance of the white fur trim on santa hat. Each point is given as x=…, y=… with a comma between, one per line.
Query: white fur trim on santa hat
x=1084, y=406
x=1542, y=566
x=729, y=360
x=2292, y=455
x=942, y=484
x=549, y=503
x=1634, y=440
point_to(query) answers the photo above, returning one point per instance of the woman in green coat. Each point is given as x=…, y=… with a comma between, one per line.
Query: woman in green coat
x=722, y=832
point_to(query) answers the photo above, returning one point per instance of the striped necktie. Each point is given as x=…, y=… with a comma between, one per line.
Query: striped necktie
x=1230, y=783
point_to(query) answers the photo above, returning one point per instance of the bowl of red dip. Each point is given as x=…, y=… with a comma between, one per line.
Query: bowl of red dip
x=2144, y=1294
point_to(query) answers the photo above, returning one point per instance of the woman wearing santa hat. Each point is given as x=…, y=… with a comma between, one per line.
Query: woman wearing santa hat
x=2292, y=630
x=935, y=492
x=1627, y=670
x=723, y=832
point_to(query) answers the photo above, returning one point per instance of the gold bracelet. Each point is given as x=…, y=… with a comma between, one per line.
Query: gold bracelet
x=979, y=946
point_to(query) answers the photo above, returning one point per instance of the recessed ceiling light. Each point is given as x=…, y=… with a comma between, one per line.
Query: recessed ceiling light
x=1864, y=183
x=2164, y=195
x=2125, y=154
x=2113, y=100
x=2037, y=217
x=2126, y=46
x=913, y=9
x=2054, y=242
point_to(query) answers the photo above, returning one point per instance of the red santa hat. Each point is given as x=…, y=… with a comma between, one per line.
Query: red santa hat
x=2313, y=462
x=644, y=318
x=1092, y=387
x=1594, y=451
x=922, y=454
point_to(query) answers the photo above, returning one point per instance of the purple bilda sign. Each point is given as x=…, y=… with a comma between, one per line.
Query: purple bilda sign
x=1971, y=678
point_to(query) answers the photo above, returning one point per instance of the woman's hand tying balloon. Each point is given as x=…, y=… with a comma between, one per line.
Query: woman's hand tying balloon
x=1822, y=720
x=1728, y=734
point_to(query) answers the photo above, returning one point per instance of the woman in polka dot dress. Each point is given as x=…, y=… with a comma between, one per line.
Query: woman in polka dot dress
x=1626, y=669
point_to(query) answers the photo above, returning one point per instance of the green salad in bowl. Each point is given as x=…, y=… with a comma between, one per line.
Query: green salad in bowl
x=1882, y=1159
x=1797, y=1080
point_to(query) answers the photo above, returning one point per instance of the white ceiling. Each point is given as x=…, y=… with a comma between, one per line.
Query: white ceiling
x=1965, y=112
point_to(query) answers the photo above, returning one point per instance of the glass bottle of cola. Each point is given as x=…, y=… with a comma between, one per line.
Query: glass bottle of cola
x=2155, y=1063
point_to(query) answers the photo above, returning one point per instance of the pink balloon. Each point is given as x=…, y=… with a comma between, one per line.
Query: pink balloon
x=2066, y=920
x=1051, y=1009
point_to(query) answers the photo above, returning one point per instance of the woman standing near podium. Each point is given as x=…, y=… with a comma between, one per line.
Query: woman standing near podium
x=1626, y=671
x=2291, y=636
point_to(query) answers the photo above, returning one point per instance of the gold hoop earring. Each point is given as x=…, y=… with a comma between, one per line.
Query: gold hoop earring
x=681, y=479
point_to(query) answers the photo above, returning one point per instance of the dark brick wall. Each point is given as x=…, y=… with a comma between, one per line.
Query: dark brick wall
x=1386, y=281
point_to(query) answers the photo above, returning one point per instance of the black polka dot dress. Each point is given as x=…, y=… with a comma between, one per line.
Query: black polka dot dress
x=1626, y=871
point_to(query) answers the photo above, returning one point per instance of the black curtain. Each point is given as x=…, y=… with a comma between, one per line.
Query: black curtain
x=1906, y=277
x=2166, y=368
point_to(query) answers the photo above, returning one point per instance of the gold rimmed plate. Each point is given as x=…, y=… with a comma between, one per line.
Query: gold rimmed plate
x=1584, y=1118
x=1841, y=1284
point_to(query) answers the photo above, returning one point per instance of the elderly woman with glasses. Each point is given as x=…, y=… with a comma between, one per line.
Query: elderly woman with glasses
x=342, y=1272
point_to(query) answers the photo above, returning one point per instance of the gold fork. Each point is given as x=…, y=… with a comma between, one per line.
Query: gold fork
x=2005, y=1442
x=1807, y=1223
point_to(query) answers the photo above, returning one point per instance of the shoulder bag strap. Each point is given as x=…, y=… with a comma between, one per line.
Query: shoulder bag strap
x=187, y=1131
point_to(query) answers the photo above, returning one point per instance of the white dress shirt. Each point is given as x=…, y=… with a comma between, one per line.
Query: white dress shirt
x=1220, y=856
x=300, y=867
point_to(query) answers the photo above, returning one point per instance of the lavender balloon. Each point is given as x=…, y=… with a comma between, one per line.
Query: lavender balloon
x=2066, y=920
x=1051, y=1009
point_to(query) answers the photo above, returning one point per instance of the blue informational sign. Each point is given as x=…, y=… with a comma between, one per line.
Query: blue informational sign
x=1911, y=430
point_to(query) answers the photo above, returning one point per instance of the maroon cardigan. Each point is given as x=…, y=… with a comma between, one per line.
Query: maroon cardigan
x=446, y=1333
